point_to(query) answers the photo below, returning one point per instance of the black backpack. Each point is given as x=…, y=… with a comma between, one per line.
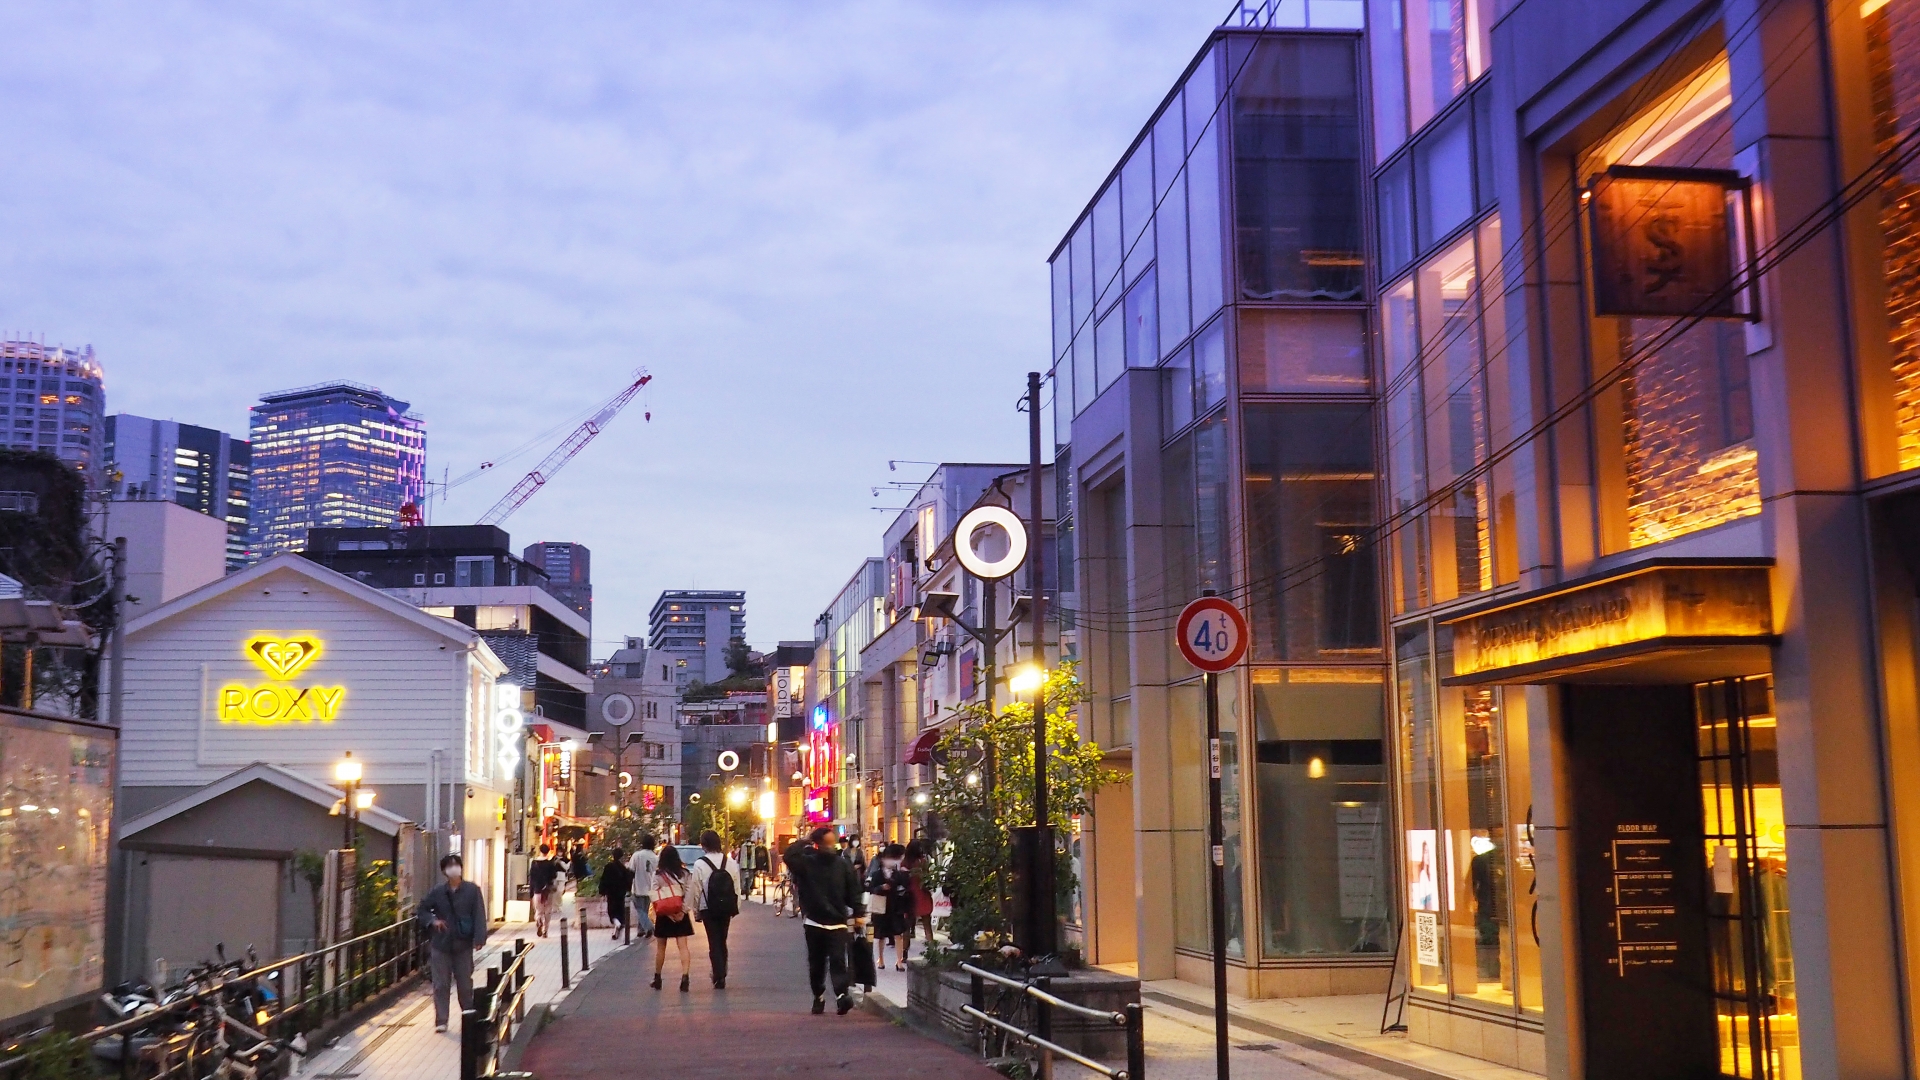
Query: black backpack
x=722, y=897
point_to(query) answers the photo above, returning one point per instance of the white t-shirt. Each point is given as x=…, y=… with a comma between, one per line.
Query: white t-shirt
x=643, y=865
x=703, y=868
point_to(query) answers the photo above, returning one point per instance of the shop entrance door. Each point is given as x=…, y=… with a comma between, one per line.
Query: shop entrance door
x=1680, y=868
x=1755, y=1009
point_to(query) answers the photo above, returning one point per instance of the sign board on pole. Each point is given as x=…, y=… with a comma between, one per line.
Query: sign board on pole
x=1212, y=634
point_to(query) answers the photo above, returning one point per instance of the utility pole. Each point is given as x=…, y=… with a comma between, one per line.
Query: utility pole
x=1042, y=902
x=117, y=655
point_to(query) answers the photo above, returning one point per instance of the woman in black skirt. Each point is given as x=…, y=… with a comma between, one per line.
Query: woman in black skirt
x=672, y=914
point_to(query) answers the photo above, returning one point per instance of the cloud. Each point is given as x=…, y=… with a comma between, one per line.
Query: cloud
x=823, y=226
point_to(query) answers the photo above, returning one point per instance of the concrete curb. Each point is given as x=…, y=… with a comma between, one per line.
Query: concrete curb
x=906, y=1018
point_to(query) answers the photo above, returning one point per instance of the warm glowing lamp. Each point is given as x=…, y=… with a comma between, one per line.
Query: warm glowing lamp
x=1026, y=678
x=348, y=770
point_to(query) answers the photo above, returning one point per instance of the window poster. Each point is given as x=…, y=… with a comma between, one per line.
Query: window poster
x=1423, y=870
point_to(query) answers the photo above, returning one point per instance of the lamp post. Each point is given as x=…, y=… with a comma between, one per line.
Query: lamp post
x=347, y=772
x=1031, y=678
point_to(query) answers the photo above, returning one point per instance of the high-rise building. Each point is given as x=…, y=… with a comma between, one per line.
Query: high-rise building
x=332, y=455
x=199, y=468
x=51, y=400
x=569, y=569
x=689, y=630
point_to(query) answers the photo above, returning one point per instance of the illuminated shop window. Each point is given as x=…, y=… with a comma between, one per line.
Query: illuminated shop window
x=1676, y=445
x=1893, y=67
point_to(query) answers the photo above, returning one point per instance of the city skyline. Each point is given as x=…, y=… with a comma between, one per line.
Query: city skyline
x=330, y=222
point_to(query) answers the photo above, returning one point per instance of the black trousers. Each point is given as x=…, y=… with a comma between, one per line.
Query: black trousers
x=827, y=949
x=717, y=942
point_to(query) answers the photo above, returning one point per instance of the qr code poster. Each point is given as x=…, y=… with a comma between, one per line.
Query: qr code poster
x=1426, y=937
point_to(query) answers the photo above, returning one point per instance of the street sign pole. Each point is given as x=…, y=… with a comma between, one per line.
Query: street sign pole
x=1217, y=875
x=1213, y=637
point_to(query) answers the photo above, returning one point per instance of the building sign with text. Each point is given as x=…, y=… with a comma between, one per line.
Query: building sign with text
x=1664, y=242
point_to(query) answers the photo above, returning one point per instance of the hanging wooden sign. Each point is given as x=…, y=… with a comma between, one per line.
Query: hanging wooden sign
x=1665, y=243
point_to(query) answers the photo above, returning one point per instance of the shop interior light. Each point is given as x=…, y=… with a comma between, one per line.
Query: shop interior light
x=766, y=806
x=1026, y=679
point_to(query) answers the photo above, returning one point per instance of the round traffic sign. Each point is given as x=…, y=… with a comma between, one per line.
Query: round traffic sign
x=729, y=761
x=1212, y=633
x=617, y=709
x=979, y=566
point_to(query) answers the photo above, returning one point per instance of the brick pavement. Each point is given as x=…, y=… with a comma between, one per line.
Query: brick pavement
x=616, y=1026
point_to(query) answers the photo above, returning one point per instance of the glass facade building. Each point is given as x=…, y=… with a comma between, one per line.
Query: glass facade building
x=1216, y=428
x=335, y=455
x=201, y=469
x=53, y=399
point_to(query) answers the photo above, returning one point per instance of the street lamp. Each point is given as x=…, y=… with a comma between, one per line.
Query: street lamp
x=1031, y=678
x=347, y=772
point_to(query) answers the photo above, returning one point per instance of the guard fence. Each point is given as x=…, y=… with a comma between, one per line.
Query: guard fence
x=1032, y=1000
x=235, y=1020
x=499, y=1008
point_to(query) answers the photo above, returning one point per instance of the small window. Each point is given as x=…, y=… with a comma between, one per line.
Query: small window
x=439, y=579
x=419, y=579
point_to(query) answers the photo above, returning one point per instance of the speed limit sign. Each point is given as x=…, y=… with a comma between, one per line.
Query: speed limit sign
x=1212, y=633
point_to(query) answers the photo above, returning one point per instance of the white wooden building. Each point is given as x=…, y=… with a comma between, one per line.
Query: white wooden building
x=290, y=664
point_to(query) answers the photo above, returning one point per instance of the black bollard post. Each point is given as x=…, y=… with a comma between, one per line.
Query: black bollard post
x=583, y=946
x=566, y=947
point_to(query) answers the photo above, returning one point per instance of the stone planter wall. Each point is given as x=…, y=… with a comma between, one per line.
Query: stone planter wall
x=936, y=996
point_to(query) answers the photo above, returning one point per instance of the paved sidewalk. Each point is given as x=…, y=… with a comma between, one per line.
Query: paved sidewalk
x=758, y=1026
x=399, y=1043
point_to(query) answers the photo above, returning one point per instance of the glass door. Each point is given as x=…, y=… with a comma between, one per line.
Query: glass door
x=1746, y=855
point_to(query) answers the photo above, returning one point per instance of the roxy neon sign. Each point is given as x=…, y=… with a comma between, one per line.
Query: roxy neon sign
x=509, y=728
x=281, y=659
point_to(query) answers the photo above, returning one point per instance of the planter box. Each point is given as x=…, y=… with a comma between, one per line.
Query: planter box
x=936, y=995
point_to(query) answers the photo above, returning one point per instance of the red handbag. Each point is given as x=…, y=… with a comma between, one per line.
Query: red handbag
x=670, y=906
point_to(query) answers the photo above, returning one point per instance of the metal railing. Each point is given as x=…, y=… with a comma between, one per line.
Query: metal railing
x=1038, y=991
x=499, y=1007
x=185, y=1035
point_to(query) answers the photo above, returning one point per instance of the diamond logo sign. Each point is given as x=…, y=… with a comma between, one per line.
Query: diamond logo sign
x=283, y=658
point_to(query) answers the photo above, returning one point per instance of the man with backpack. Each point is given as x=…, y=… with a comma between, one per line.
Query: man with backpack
x=717, y=884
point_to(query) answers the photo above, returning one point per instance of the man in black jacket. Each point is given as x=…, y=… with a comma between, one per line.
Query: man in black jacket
x=832, y=907
x=455, y=913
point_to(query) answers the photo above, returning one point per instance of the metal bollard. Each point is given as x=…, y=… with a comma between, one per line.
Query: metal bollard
x=1043, y=1026
x=583, y=946
x=565, y=948
x=626, y=924
x=469, y=1044
x=520, y=980
x=977, y=997
x=483, y=1027
x=1136, y=1041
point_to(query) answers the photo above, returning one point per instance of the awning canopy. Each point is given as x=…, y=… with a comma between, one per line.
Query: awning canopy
x=920, y=750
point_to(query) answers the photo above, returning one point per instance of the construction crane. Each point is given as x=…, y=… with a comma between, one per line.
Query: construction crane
x=531, y=483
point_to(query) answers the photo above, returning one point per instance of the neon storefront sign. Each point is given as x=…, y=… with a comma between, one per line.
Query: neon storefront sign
x=821, y=768
x=280, y=700
x=509, y=728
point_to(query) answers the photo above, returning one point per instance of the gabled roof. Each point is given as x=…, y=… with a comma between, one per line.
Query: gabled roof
x=298, y=784
x=312, y=573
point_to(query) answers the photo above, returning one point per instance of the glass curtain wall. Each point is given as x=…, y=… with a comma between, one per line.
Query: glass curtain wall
x=1472, y=927
x=1892, y=33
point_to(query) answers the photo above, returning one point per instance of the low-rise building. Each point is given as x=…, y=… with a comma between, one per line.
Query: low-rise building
x=284, y=669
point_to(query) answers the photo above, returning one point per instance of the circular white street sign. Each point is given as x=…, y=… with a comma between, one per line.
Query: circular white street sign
x=979, y=518
x=617, y=709
x=729, y=761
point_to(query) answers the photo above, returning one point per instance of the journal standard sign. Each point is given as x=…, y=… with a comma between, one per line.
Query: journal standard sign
x=1660, y=608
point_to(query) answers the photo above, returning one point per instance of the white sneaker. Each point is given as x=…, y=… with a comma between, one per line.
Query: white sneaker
x=439, y=1028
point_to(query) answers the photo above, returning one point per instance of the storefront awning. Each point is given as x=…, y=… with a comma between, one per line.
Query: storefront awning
x=920, y=750
x=1673, y=612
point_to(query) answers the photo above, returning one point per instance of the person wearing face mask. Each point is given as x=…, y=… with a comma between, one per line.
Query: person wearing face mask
x=891, y=889
x=455, y=915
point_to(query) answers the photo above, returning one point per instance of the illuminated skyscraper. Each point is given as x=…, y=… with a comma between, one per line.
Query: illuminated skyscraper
x=56, y=401
x=199, y=468
x=334, y=455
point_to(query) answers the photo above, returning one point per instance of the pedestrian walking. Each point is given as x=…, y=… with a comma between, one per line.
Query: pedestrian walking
x=890, y=892
x=832, y=908
x=455, y=916
x=919, y=866
x=543, y=886
x=716, y=884
x=615, y=882
x=579, y=869
x=672, y=920
x=643, y=865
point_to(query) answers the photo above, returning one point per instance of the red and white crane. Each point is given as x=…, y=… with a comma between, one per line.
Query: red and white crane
x=531, y=483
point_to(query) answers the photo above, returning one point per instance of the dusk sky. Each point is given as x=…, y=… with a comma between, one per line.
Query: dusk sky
x=822, y=226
